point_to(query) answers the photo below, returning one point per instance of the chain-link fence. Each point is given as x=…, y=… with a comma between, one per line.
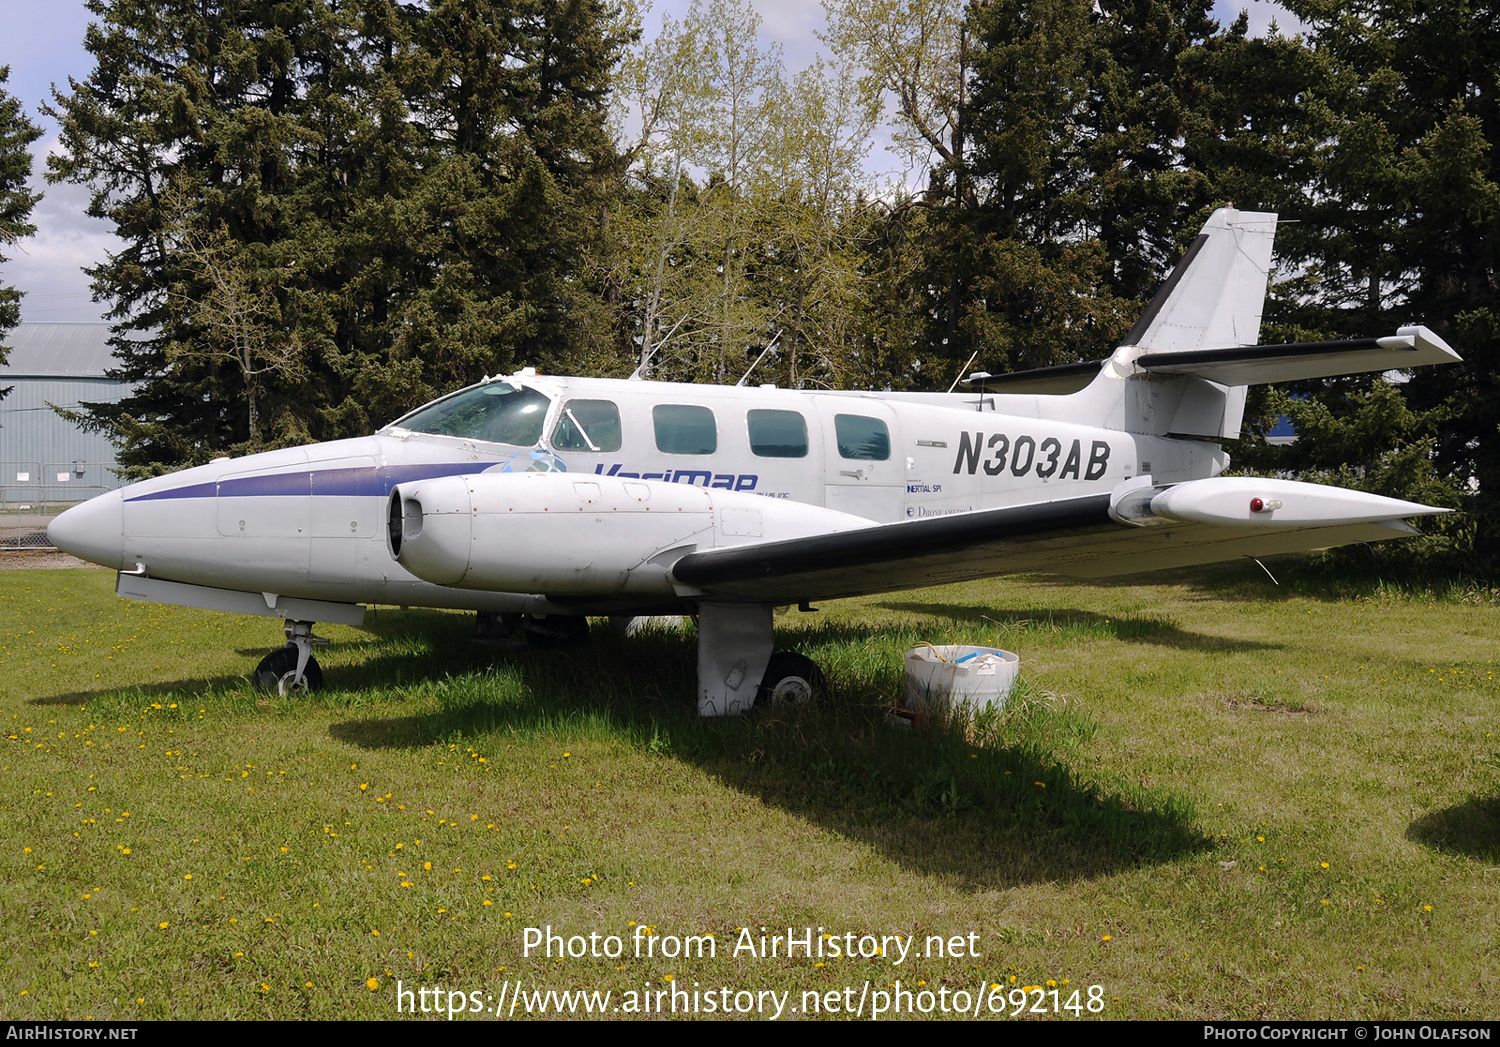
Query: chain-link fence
x=32, y=493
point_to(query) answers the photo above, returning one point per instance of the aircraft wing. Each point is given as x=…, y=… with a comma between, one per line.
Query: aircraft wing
x=1078, y=537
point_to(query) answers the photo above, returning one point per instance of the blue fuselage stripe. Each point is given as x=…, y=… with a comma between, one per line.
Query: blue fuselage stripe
x=359, y=482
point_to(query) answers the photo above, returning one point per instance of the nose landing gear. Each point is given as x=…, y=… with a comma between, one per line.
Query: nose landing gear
x=292, y=669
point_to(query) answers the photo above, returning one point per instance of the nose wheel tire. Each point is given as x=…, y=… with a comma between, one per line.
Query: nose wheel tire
x=277, y=673
x=791, y=679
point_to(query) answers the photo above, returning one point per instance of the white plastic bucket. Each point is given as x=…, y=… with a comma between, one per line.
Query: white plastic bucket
x=957, y=675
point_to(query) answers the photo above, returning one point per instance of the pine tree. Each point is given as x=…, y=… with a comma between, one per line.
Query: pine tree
x=1401, y=225
x=1062, y=179
x=418, y=190
x=16, y=200
x=193, y=113
x=1039, y=266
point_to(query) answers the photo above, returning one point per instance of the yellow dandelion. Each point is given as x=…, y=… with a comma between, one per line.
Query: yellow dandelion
x=373, y=983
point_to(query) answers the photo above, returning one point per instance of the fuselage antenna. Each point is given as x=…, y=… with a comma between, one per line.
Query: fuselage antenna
x=769, y=346
x=638, y=375
x=961, y=370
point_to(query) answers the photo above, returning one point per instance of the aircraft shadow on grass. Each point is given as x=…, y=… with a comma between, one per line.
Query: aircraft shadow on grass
x=1004, y=813
x=1129, y=627
x=1001, y=814
x=174, y=689
x=1471, y=829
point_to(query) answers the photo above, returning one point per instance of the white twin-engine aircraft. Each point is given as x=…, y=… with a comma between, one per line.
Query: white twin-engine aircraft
x=544, y=500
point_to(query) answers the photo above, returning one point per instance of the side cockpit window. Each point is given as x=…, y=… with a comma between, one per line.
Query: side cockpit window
x=588, y=425
x=496, y=412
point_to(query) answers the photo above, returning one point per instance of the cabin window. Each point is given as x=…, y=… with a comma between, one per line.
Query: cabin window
x=496, y=412
x=588, y=425
x=778, y=434
x=685, y=429
x=862, y=438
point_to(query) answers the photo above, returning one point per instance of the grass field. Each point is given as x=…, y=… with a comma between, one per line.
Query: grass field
x=1213, y=798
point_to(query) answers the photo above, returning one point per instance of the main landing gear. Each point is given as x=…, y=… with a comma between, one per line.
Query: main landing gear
x=292, y=669
x=738, y=668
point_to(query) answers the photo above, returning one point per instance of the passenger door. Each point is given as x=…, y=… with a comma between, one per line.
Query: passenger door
x=864, y=463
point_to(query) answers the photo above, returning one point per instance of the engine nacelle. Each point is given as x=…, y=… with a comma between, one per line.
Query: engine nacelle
x=560, y=533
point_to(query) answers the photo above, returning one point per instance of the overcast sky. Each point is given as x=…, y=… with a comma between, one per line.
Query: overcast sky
x=44, y=46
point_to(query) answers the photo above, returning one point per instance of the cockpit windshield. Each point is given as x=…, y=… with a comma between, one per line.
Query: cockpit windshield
x=497, y=412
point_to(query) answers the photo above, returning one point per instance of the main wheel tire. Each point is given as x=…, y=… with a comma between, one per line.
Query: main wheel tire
x=274, y=673
x=791, y=679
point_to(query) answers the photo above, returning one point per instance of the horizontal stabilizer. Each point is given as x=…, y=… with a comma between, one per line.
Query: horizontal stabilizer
x=1245, y=364
x=1300, y=361
x=1055, y=381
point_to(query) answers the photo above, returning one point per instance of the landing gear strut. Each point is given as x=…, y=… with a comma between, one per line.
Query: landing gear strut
x=738, y=667
x=292, y=669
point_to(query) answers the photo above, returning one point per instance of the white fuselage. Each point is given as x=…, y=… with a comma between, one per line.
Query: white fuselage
x=311, y=522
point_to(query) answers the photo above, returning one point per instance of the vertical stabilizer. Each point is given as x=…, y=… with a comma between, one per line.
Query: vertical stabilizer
x=1214, y=297
x=1212, y=300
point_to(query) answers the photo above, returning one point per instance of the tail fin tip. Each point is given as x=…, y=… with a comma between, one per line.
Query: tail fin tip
x=1215, y=294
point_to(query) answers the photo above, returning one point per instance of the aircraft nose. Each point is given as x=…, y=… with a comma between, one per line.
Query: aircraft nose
x=93, y=531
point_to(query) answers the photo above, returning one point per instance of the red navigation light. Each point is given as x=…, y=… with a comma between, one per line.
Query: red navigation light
x=1257, y=506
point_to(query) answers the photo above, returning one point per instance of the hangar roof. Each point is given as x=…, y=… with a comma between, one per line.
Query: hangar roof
x=78, y=350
